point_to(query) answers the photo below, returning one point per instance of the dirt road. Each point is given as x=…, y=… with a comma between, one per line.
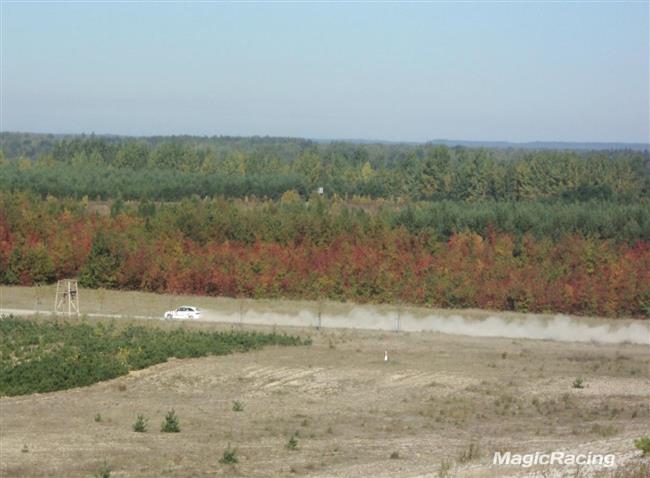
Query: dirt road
x=330, y=315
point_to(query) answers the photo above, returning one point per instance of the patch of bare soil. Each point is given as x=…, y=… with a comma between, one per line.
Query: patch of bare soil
x=351, y=413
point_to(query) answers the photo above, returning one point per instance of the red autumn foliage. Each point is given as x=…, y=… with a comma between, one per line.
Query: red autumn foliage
x=499, y=271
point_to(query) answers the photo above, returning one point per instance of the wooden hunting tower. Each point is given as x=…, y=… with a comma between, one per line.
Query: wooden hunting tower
x=67, y=297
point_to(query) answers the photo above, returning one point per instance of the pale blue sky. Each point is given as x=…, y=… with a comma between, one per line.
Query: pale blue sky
x=537, y=71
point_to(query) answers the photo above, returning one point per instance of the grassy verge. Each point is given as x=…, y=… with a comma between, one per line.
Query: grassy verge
x=44, y=356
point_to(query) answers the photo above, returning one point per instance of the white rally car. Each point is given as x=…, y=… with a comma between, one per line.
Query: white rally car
x=184, y=312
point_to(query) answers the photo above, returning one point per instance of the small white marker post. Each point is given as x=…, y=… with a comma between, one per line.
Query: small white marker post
x=398, y=319
x=385, y=356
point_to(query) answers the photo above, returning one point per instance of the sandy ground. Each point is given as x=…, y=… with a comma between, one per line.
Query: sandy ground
x=351, y=411
x=472, y=322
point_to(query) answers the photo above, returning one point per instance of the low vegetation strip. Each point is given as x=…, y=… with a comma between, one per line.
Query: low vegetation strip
x=46, y=355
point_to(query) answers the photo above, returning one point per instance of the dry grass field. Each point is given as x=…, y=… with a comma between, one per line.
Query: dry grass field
x=441, y=406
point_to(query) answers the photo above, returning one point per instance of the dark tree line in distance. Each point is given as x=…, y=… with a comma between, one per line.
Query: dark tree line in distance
x=170, y=168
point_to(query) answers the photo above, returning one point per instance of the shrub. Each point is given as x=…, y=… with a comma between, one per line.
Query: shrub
x=229, y=456
x=98, y=417
x=237, y=406
x=292, y=444
x=140, y=424
x=394, y=455
x=643, y=444
x=170, y=424
x=578, y=383
x=104, y=471
x=470, y=453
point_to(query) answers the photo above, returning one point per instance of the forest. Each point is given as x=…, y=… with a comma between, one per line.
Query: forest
x=507, y=229
x=325, y=249
x=168, y=169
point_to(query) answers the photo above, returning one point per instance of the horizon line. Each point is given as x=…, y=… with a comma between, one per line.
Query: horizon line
x=335, y=139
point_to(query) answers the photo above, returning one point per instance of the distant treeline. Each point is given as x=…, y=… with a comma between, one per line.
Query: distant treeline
x=505, y=256
x=171, y=168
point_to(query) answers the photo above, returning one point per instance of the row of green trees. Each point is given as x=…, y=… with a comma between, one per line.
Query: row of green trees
x=167, y=169
x=320, y=220
x=97, y=182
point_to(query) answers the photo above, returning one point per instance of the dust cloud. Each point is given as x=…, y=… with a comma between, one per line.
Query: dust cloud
x=558, y=328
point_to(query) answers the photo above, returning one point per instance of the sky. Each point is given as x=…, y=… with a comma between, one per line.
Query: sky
x=383, y=71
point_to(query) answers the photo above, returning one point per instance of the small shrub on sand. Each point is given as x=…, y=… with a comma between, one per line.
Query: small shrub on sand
x=472, y=452
x=229, y=456
x=292, y=444
x=170, y=424
x=104, y=471
x=140, y=424
x=643, y=444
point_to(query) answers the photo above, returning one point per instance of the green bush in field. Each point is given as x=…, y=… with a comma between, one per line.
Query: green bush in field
x=140, y=424
x=171, y=423
x=643, y=444
x=229, y=456
x=104, y=471
x=292, y=444
x=48, y=355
